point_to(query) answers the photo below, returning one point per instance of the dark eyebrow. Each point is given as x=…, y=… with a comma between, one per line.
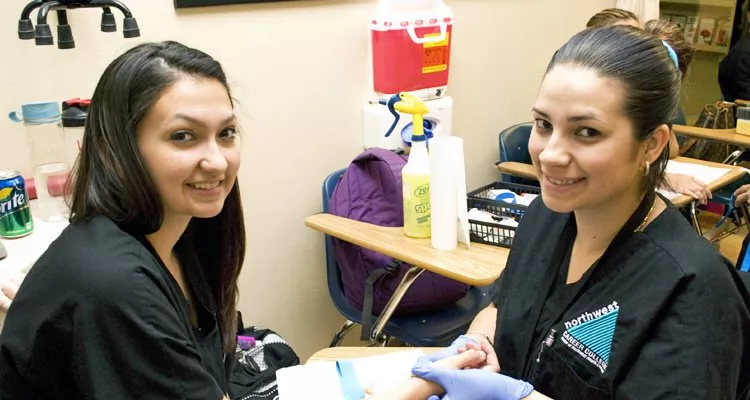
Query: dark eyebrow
x=584, y=117
x=575, y=118
x=540, y=112
x=199, y=122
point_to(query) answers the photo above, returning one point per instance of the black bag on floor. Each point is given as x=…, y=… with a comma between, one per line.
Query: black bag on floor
x=254, y=372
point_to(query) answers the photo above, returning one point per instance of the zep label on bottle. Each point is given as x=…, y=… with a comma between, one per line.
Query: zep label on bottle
x=417, y=212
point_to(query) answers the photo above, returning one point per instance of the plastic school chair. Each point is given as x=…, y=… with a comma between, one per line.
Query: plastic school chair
x=722, y=196
x=743, y=261
x=514, y=146
x=434, y=329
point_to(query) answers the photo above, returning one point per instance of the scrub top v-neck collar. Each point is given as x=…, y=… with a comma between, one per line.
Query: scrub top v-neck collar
x=561, y=255
x=207, y=334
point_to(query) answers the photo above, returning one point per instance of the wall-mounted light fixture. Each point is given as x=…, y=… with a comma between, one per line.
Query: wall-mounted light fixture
x=42, y=34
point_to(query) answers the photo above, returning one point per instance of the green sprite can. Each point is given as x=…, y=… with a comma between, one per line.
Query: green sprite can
x=15, y=212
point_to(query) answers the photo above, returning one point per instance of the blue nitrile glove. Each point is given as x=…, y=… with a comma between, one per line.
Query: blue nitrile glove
x=449, y=351
x=472, y=384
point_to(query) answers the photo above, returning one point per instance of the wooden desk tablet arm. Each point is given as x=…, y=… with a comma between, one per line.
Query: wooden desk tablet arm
x=519, y=169
x=479, y=266
x=695, y=131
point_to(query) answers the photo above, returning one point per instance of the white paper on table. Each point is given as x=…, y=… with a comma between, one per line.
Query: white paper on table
x=702, y=173
x=320, y=380
x=526, y=198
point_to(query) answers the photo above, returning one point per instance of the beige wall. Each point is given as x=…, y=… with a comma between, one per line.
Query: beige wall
x=701, y=85
x=299, y=72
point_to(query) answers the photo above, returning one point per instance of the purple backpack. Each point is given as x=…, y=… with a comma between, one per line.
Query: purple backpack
x=370, y=191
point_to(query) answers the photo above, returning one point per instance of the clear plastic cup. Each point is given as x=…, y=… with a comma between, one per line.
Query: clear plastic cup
x=49, y=157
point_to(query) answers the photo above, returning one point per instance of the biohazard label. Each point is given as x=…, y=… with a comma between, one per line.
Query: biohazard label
x=435, y=58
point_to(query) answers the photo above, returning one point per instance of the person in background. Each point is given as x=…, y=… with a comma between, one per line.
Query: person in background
x=684, y=52
x=734, y=80
x=734, y=69
x=137, y=297
x=742, y=195
x=613, y=16
x=608, y=292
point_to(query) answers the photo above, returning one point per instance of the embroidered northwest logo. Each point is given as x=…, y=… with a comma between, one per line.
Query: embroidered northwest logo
x=590, y=335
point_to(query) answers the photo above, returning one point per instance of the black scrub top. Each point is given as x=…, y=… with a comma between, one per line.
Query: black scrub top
x=100, y=317
x=663, y=316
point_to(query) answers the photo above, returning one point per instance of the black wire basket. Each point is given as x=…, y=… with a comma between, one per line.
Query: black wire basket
x=496, y=234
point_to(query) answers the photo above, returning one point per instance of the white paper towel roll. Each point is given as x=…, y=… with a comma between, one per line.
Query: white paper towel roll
x=462, y=209
x=447, y=178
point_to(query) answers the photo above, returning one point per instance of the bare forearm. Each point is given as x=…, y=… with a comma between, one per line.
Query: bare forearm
x=484, y=323
x=536, y=396
x=413, y=388
x=417, y=388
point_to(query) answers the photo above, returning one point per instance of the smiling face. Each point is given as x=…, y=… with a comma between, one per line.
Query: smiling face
x=188, y=140
x=582, y=144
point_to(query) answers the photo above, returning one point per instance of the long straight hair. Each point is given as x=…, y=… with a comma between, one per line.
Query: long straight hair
x=111, y=178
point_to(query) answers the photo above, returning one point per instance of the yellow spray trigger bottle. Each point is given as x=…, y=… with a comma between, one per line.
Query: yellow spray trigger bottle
x=416, y=173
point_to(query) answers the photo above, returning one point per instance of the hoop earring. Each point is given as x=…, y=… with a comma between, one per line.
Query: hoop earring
x=646, y=169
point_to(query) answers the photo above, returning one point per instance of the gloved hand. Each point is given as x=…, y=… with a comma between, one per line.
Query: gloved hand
x=472, y=384
x=449, y=351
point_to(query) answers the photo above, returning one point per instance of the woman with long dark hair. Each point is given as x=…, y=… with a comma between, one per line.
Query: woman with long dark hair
x=137, y=297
